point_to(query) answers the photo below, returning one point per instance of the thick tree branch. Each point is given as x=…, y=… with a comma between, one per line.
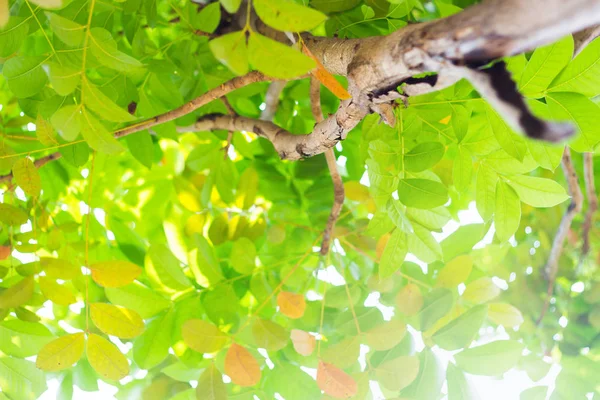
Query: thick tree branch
x=338, y=185
x=585, y=37
x=551, y=268
x=185, y=109
x=590, y=187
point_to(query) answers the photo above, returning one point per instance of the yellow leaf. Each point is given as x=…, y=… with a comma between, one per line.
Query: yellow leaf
x=356, y=192
x=56, y=268
x=27, y=176
x=481, y=291
x=304, y=343
x=4, y=13
x=326, y=78
x=58, y=294
x=203, y=336
x=385, y=336
x=269, y=335
x=335, y=382
x=455, y=271
x=505, y=315
x=117, y=321
x=44, y=132
x=18, y=294
x=61, y=353
x=48, y=3
x=409, y=300
x=292, y=305
x=241, y=366
x=105, y=358
x=113, y=274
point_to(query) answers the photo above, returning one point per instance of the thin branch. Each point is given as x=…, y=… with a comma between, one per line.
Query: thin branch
x=551, y=268
x=338, y=185
x=585, y=37
x=590, y=187
x=185, y=109
x=272, y=100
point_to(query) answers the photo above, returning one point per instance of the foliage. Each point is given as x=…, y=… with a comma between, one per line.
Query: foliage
x=191, y=265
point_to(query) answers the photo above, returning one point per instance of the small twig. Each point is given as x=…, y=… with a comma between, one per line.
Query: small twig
x=590, y=187
x=272, y=100
x=185, y=109
x=551, y=268
x=338, y=185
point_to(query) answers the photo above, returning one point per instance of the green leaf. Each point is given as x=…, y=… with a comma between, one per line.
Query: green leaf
x=291, y=383
x=395, y=211
x=231, y=5
x=67, y=122
x=203, y=336
x=398, y=373
x=138, y=298
x=481, y=290
x=455, y=272
x=583, y=112
x=485, y=191
x=104, y=48
x=71, y=33
x=286, y=15
x=141, y=147
x=243, y=256
x=386, y=335
x=513, y=144
x=422, y=193
x=96, y=135
x=543, y=66
x=269, y=335
x=12, y=35
x=20, y=379
x=393, y=255
x=27, y=176
x=209, y=18
x=461, y=331
x=490, y=359
x=99, y=103
x=152, y=347
x=423, y=156
x=582, y=75
x=428, y=384
x=11, y=215
x=343, y=354
x=232, y=51
x=508, y=211
x=164, y=268
x=277, y=60
x=538, y=192
x=44, y=132
x=458, y=386
x=423, y=245
x=211, y=385
x=462, y=170
x=63, y=78
x=25, y=75
x=330, y=6
x=534, y=393
x=434, y=219
x=23, y=339
x=207, y=271
x=436, y=304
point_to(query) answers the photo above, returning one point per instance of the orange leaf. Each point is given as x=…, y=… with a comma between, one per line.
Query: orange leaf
x=4, y=252
x=326, y=78
x=241, y=366
x=335, y=382
x=291, y=304
x=304, y=343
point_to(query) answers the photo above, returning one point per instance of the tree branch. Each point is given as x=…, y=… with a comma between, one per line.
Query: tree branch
x=585, y=37
x=551, y=268
x=272, y=100
x=588, y=174
x=185, y=109
x=338, y=185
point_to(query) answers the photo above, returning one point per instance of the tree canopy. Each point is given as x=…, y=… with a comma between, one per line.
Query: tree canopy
x=315, y=199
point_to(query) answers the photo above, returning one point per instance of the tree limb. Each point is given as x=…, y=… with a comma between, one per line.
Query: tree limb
x=338, y=185
x=551, y=268
x=588, y=174
x=272, y=100
x=185, y=109
x=585, y=37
